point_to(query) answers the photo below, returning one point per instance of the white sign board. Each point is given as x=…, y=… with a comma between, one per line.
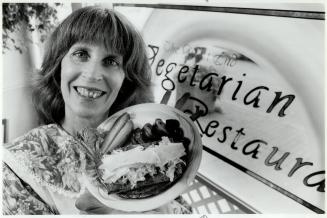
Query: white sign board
x=253, y=80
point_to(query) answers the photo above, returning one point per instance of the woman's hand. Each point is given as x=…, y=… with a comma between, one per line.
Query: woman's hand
x=88, y=204
x=118, y=131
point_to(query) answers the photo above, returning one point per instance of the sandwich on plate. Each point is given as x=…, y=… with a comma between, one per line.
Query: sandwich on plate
x=152, y=159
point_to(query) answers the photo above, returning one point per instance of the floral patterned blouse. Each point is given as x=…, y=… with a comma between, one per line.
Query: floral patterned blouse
x=41, y=172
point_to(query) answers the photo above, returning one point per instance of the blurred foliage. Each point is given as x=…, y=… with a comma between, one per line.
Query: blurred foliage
x=23, y=17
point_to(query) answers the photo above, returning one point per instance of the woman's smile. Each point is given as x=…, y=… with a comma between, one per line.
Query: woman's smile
x=89, y=93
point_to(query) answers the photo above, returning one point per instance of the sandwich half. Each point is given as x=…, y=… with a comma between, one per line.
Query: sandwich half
x=143, y=171
x=153, y=160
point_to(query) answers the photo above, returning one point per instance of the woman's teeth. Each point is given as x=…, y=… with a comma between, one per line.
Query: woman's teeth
x=88, y=93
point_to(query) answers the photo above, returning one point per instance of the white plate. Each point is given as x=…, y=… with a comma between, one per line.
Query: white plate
x=141, y=114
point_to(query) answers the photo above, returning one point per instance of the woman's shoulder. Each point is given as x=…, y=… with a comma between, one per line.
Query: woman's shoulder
x=51, y=156
x=36, y=138
x=51, y=130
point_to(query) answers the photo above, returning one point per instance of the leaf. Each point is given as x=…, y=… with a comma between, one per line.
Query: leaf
x=15, y=14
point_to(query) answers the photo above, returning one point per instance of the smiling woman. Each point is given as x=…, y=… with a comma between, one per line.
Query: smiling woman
x=78, y=39
x=95, y=64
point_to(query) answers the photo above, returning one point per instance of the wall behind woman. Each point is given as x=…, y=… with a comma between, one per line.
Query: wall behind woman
x=18, y=67
x=17, y=108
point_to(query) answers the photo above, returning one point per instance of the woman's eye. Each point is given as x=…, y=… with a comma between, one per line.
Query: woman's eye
x=111, y=62
x=81, y=55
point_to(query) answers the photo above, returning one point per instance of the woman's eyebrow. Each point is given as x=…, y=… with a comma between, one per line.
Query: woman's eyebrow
x=81, y=47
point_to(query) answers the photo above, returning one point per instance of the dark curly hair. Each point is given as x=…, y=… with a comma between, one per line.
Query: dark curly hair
x=92, y=25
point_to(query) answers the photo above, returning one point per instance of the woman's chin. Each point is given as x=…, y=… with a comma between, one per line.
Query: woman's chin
x=89, y=114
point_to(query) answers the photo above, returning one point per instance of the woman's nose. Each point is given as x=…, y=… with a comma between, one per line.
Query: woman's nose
x=92, y=72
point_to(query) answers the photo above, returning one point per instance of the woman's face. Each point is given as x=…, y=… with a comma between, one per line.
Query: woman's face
x=91, y=78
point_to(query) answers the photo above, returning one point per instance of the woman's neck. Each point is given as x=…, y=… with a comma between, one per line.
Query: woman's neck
x=74, y=124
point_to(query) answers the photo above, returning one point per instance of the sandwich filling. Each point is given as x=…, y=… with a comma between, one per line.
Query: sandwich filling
x=132, y=165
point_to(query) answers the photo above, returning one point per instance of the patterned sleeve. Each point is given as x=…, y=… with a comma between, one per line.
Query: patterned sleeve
x=19, y=198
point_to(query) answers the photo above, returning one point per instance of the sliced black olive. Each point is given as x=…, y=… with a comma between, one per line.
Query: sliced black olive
x=159, y=128
x=147, y=134
x=177, y=134
x=172, y=124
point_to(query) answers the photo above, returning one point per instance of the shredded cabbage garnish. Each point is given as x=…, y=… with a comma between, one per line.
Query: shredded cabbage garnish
x=138, y=171
x=132, y=174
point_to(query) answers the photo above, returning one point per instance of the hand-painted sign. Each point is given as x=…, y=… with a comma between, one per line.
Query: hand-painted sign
x=248, y=92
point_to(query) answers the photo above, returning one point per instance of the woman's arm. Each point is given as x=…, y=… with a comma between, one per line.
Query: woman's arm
x=20, y=198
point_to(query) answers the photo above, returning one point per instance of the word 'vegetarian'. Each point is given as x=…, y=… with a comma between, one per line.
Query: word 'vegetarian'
x=252, y=97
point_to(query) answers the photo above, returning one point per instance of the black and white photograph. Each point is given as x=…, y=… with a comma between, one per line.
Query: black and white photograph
x=196, y=107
